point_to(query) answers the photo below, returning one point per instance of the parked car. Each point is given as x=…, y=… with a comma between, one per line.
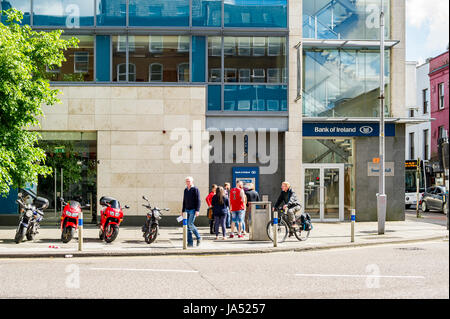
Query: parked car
x=433, y=199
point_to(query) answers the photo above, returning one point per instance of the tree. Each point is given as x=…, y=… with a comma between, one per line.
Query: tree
x=24, y=87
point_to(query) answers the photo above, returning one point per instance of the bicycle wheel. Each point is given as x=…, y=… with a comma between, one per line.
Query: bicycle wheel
x=282, y=230
x=302, y=235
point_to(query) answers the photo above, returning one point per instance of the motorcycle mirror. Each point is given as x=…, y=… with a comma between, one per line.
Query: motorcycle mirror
x=19, y=195
x=145, y=198
x=126, y=206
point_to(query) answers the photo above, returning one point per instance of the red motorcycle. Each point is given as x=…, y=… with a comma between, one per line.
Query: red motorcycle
x=110, y=218
x=69, y=219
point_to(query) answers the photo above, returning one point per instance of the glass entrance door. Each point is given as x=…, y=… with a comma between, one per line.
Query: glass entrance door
x=324, y=191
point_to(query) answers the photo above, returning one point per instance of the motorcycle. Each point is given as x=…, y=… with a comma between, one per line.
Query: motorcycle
x=110, y=218
x=31, y=209
x=69, y=219
x=151, y=226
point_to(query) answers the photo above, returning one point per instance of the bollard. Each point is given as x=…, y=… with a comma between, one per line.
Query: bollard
x=184, y=230
x=275, y=228
x=353, y=225
x=80, y=232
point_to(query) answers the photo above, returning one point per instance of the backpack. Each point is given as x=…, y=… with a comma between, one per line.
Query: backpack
x=306, y=222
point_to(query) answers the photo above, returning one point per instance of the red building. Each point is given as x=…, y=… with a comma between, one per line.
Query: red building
x=439, y=101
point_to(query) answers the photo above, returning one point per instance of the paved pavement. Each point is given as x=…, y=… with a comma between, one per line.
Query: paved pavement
x=131, y=243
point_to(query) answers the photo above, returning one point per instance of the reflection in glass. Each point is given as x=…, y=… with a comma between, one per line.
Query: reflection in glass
x=111, y=12
x=255, y=13
x=79, y=64
x=159, y=13
x=255, y=98
x=312, y=192
x=214, y=59
x=342, y=19
x=254, y=59
x=342, y=82
x=66, y=13
x=152, y=58
x=331, y=193
x=206, y=13
x=22, y=5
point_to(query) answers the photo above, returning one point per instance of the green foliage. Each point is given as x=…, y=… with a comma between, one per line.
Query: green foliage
x=24, y=87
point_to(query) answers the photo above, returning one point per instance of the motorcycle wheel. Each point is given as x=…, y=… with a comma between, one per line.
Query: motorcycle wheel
x=111, y=233
x=67, y=235
x=31, y=233
x=19, y=234
x=151, y=234
x=100, y=234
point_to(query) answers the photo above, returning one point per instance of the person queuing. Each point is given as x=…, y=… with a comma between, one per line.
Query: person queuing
x=209, y=211
x=227, y=187
x=191, y=205
x=220, y=204
x=237, y=201
x=252, y=196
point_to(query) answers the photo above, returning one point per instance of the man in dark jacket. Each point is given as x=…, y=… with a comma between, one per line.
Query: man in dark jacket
x=191, y=205
x=288, y=198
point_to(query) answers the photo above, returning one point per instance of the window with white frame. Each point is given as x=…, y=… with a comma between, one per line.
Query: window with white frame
x=230, y=75
x=122, y=43
x=259, y=46
x=441, y=96
x=214, y=75
x=259, y=75
x=183, y=43
x=183, y=72
x=274, y=46
x=229, y=46
x=156, y=44
x=122, y=72
x=215, y=46
x=156, y=72
x=273, y=75
x=81, y=62
x=244, y=75
x=244, y=46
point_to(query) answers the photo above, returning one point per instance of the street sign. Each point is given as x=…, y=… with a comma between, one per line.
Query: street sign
x=59, y=149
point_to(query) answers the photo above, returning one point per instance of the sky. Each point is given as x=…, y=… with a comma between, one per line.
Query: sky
x=427, y=25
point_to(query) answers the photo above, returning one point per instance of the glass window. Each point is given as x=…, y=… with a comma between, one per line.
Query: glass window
x=425, y=101
x=342, y=83
x=258, y=59
x=356, y=19
x=441, y=96
x=206, y=13
x=103, y=58
x=214, y=97
x=198, y=59
x=119, y=56
x=214, y=59
x=156, y=58
x=79, y=64
x=159, y=13
x=255, y=98
x=255, y=13
x=67, y=13
x=22, y=5
x=111, y=12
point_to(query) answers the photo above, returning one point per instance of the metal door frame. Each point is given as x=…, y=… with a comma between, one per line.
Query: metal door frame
x=322, y=168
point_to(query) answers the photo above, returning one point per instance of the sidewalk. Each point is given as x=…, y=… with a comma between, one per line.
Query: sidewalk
x=131, y=243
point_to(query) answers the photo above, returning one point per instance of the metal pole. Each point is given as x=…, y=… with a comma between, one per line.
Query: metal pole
x=381, y=199
x=275, y=228
x=184, y=230
x=444, y=148
x=418, y=188
x=353, y=225
x=55, y=193
x=80, y=232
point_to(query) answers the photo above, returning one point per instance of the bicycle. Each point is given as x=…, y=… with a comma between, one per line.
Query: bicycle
x=285, y=227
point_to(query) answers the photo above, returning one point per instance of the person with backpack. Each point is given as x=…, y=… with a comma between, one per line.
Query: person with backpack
x=237, y=201
x=220, y=204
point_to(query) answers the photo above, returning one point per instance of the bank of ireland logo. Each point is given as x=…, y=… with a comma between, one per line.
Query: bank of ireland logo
x=366, y=130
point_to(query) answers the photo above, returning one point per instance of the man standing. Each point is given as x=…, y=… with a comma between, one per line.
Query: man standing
x=290, y=202
x=191, y=205
x=237, y=201
x=252, y=196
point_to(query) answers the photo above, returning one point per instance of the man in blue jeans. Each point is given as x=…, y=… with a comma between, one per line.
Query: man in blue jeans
x=191, y=205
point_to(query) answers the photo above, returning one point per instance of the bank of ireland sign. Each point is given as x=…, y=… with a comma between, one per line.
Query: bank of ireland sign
x=346, y=129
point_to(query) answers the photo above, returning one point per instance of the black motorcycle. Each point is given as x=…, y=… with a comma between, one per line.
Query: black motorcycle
x=151, y=226
x=31, y=214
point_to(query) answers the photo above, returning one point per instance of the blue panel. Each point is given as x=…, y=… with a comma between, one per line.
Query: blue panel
x=246, y=175
x=67, y=13
x=8, y=205
x=346, y=129
x=214, y=97
x=103, y=57
x=256, y=13
x=198, y=59
x=174, y=13
x=111, y=12
x=22, y=5
x=271, y=98
x=206, y=13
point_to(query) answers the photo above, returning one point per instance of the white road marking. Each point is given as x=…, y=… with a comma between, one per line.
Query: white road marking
x=143, y=269
x=358, y=276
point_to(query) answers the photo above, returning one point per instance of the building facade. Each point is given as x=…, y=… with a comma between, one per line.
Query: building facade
x=439, y=102
x=279, y=90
